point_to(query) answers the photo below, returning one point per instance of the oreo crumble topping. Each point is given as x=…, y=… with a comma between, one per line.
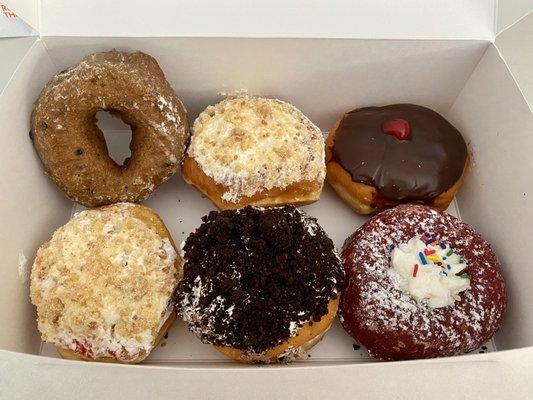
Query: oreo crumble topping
x=253, y=276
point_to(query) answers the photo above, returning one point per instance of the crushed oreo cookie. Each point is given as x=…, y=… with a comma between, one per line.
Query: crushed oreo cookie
x=253, y=276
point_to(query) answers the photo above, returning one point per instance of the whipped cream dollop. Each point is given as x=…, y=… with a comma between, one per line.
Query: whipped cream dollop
x=429, y=270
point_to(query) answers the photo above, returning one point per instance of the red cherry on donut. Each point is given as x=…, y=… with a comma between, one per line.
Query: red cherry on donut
x=398, y=128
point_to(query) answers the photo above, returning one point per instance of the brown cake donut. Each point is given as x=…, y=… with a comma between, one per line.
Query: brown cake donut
x=72, y=147
x=103, y=284
x=379, y=157
x=259, y=284
x=400, y=308
x=255, y=151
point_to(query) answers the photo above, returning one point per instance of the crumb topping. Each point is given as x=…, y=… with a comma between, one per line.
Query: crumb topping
x=254, y=276
x=102, y=285
x=250, y=144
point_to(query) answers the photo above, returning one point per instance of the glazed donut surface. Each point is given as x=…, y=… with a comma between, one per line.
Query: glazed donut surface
x=379, y=157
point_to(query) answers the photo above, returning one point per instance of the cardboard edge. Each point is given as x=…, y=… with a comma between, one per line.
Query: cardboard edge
x=517, y=73
x=384, y=19
x=505, y=374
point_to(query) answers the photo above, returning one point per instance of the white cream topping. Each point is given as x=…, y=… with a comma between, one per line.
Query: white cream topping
x=429, y=271
x=103, y=284
x=252, y=144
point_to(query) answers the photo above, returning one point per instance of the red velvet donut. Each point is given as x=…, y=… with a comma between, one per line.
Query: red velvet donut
x=391, y=323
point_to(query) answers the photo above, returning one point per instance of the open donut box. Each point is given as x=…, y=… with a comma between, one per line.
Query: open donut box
x=471, y=62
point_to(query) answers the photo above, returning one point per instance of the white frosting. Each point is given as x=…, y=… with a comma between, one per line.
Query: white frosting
x=103, y=284
x=252, y=144
x=432, y=277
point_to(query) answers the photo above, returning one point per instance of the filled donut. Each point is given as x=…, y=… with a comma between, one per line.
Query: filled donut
x=379, y=157
x=255, y=151
x=103, y=284
x=261, y=285
x=73, y=149
x=420, y=284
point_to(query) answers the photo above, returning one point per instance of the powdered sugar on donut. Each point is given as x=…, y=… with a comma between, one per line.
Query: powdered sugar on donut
x=62, y=88
x=251, y=144
x=391, y=323
x=128, y=85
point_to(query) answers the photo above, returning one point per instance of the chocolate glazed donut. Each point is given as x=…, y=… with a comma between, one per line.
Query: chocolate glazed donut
x=379, y=157
x=72, y=147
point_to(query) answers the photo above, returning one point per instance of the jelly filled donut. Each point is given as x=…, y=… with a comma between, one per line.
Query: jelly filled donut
x=378, y=157
x=103, y=284
x=420, y=284
x=261, y=285
x=72, y=147
x=255, y=151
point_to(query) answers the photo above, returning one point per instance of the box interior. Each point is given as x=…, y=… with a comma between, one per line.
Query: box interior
x=464, y=80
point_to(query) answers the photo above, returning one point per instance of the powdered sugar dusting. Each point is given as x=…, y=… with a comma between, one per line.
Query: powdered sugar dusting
x=128, y=84
x=376, y=310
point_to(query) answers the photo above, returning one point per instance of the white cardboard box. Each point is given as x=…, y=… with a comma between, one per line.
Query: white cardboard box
x=326, y=58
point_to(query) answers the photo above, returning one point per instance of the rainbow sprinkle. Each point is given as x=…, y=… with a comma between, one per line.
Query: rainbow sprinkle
x=428, y=252
x=429, y=240
x=433, y=257
x=422, y=258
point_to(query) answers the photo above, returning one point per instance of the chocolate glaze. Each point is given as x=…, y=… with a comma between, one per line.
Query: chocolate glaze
x=419, y=169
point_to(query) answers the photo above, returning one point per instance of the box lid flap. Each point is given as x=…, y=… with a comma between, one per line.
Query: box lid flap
x=510, y=11
x=19, y=17
x=415, y=19
x=515, y=45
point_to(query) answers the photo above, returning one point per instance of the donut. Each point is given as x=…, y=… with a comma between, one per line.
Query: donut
x=379, y=157
x=420, y=284
x=73, y=149
x=260, y=284
x=255, y=151
x=103, y=284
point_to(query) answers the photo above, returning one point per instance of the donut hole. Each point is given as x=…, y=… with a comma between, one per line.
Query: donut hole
x=117, y=135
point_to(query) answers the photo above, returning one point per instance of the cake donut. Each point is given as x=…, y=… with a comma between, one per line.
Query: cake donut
x=73, y=149
x=379, y=157
x=420, y=284
x=261, y=285
x=103, y=284
x=255, y=151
